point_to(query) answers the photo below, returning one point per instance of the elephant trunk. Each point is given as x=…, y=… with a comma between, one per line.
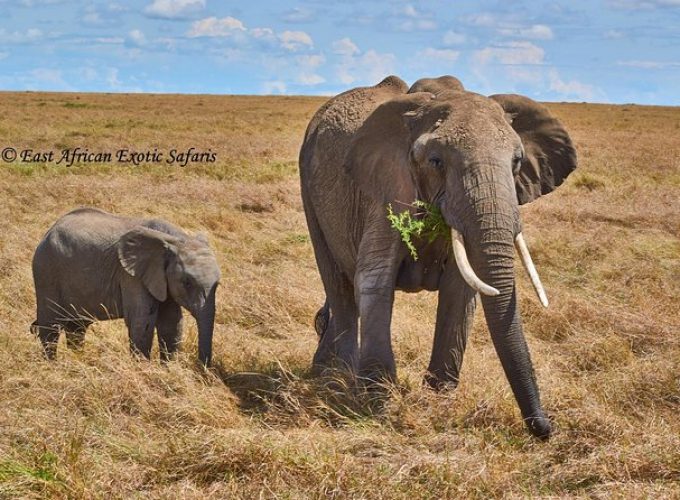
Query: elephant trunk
x=505, y=325
x=205, y=319
x=490, y=218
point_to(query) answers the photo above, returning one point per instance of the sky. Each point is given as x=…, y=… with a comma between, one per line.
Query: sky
x=617, y=51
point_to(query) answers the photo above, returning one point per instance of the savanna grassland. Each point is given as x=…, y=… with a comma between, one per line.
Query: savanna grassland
x=99, y=424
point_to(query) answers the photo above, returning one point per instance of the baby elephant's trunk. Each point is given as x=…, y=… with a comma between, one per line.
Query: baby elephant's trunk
x=205, y=319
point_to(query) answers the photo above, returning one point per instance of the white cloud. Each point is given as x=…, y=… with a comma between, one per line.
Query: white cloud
x=4, y=55
x=444, y=55
x=102, y=14
x=110, y=40
x=115, y=84
x=614, y=34
x=214, y=27
x=345, y=47
x=91, y=16
x=410, y=11
x=33, y=3
x=510, y=53
x=136, y=38
x=311, y=61
x=411, y=19
x=51, y=77
x=310, y=79
x=28, y=36
x=572, y=88
x=266, y=34
x=534, y=32
x=299, y=15
x=88, y=73
x=367, y=68
x=308, y=65
x=650, y=64
x=112, y=79
x=453, y=38
x=295, y=40
x=643, y=4
x=483, y=19
x=274, y=87
x=417, y=25
x=174, y=9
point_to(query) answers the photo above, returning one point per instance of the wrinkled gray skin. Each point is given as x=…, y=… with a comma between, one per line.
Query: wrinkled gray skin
x=476, y=158
x=93, y=265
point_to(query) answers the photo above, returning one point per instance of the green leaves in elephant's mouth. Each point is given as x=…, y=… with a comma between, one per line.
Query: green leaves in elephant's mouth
x=427, y=224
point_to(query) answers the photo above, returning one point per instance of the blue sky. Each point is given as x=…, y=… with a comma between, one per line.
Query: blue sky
x=600, y=51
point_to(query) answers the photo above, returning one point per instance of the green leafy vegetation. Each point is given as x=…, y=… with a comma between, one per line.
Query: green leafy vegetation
x=427, y=224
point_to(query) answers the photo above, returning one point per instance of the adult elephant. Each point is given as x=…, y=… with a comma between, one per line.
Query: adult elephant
x=475, y=159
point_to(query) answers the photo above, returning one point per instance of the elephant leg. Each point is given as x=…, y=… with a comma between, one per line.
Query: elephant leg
x=75, y=333
x=47, y=326
x=338, y=345
x=455, y=314
x=169, y=329
x=377, y=267
x=140, y=312
x=376, y=358
x=49, y=337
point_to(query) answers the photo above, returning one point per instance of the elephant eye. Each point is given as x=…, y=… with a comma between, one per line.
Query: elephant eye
x=186, y=283
x=435, y=162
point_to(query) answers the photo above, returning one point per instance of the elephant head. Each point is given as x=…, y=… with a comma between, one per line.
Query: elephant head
x=475, y=158
x=183, y=268
x=437, y=85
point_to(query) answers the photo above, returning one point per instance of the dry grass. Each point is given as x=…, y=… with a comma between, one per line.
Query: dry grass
x=99, y=424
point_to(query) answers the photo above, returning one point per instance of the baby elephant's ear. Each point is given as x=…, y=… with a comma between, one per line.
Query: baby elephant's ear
x=549, y=153
x=142, y=253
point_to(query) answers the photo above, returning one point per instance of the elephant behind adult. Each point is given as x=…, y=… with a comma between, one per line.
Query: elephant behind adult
x=471, y=157
x=93, y=265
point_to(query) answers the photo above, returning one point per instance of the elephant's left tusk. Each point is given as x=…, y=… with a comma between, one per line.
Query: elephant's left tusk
x=525, y=257
x=466, y=269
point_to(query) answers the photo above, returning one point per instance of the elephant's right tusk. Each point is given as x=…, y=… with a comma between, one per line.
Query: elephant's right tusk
x=525, y=257
x=465, y=269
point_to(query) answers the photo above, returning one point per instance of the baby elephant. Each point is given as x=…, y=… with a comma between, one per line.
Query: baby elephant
x=93, y=265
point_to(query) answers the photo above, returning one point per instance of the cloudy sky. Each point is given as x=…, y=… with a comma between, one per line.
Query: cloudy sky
x=599, y=50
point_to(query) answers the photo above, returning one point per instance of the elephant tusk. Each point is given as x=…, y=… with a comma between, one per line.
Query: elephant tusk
x=465, y=269
x=525, y=257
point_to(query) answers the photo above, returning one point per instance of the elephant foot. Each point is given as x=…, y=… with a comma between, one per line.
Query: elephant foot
x=440, y=383
x=75, y=340
x=330, y=363
x=374, y=374
x=540, y=426
x=334, y=356
x=49, y=337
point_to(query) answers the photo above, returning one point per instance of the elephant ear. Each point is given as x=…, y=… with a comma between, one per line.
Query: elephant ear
x=378, y=156
x=549, y=153
x=142, y=253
